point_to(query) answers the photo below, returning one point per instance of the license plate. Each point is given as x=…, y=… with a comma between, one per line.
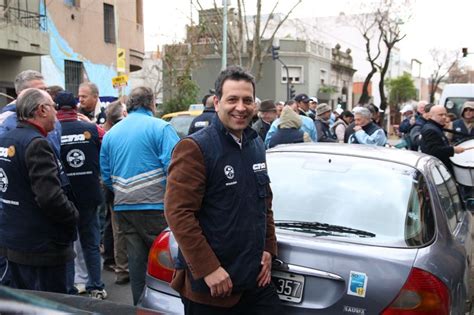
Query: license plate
x=289, y=286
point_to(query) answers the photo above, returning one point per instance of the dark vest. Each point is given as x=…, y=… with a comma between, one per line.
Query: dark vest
x=460, y=126
x=80, y=148
x=369, y=129
x=286, y=135
x=23, y=225
x=233, y=210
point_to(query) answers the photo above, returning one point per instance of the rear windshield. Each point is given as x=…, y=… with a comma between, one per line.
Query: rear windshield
x=388, y=202
x=181, y=124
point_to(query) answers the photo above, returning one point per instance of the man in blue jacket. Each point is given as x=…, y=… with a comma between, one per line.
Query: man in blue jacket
x=134, y=160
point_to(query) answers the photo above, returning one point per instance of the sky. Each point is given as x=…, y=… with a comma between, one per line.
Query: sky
x=443, y=24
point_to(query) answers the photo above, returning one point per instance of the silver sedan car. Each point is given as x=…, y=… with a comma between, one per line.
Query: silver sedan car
x=361, y=230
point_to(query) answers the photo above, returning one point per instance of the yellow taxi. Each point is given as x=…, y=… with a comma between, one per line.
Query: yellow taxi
x=181, y=120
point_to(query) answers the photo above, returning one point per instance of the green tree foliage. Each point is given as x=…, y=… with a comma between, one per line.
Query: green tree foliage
x=402, y=89
x=181, y=90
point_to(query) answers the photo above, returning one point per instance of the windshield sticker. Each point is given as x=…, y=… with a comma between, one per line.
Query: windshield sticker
x=357, y=284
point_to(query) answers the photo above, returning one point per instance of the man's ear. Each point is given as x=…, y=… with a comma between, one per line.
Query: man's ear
x=216, y=103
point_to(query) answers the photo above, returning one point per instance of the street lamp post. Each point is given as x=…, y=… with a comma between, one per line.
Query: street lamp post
x=224, y=36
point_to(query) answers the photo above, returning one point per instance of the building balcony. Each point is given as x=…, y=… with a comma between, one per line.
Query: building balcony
x=22, y=32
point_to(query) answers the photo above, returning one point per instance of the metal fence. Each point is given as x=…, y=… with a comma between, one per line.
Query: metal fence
x=18, y=13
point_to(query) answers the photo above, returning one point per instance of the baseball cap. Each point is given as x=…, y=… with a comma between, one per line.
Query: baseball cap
x=65, y=99
x=302, y=98
x=406, y=108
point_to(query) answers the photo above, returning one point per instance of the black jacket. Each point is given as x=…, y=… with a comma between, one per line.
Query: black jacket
x=37, y=219
x=434, y=142
x=261, y=128
x=202, y=120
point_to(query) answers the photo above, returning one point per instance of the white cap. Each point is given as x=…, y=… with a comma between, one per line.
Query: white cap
x=406, y=108
x=339, y=110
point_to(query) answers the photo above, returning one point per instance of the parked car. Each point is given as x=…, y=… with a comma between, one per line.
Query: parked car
x=16, y=301
x=360, y=229
x=181, y=121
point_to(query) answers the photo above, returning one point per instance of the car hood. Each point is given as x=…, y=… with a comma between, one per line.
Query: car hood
x=340, y=277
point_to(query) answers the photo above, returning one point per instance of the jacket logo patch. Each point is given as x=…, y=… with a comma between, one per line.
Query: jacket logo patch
x=7, y=152
x=75, y=158
x=229, y=171
x=3, y=181
x=259, y=167
x=74, y=138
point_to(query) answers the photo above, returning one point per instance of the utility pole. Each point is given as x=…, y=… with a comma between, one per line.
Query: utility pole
x=117, y=45
x=224, y=36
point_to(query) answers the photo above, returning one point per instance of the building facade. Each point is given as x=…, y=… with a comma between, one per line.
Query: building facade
x=23, y=39
x=84, y=38
x=70, y=41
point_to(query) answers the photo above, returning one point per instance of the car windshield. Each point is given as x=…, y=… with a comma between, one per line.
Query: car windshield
x=181, y=124
x=354, y=199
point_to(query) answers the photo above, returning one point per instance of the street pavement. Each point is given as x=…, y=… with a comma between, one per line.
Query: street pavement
x=116, y=293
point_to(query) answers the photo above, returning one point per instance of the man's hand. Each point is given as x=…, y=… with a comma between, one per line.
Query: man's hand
x=458, y=149
x=265, y=275
x=357, y=128
x=219, y=282
x=83, y=117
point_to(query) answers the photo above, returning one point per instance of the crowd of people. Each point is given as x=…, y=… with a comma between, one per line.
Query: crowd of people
x=75, y=175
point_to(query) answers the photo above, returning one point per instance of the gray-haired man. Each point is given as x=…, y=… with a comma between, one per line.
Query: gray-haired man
x=38, y=221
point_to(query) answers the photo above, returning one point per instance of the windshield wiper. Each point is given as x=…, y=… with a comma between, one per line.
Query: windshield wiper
x=320, y=229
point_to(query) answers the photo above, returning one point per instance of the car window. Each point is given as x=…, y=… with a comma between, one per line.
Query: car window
x=383, y=198
x=447, y=204
x=453, y=191
x=181, y=124
x=419, y=220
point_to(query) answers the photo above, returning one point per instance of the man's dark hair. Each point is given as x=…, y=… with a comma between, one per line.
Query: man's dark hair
x=346, y=113
x=54, y=90
x=428, y=107
x=141, y=96
x=204, y=99
x=234, y=73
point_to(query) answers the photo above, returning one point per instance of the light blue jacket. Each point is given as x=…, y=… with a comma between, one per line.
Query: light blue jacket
x=134, y=160
x=377, y=138
x=307, y=125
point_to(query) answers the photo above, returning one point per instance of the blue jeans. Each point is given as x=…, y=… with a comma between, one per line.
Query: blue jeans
x=89, y=236
x=140, y=228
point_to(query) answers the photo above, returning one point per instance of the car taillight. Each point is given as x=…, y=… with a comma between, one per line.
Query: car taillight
x=160, y=264
x=423, y=293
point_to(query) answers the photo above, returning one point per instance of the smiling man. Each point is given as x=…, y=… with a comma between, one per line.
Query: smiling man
x=218, y=205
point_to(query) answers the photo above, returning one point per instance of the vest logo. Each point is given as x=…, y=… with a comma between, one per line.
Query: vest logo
x=7, y=152
x=75, y=158
x=73, y=138
x=3, y=180
x=259, y=167
x=87, y=135
x=229, y=171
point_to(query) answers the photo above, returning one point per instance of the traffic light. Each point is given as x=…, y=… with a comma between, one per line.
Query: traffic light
x=292, y=91
x=275, y=50
x=464, y=51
